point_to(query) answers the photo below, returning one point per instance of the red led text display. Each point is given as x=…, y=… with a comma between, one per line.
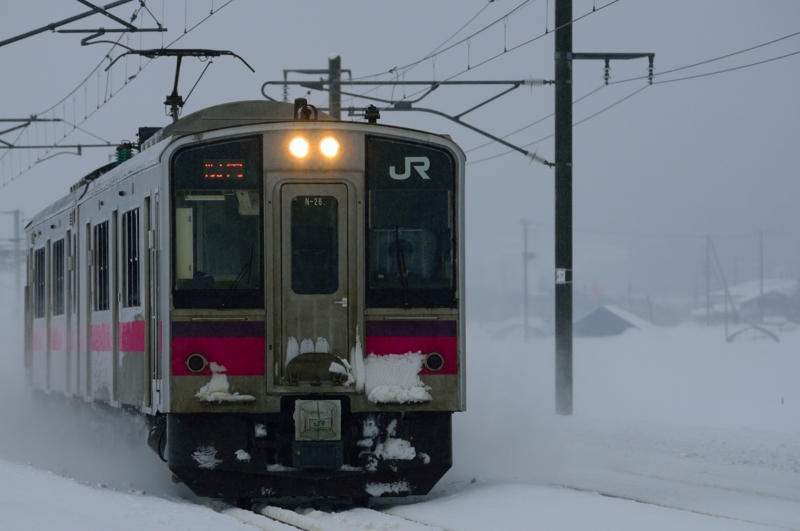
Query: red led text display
x=223, y=169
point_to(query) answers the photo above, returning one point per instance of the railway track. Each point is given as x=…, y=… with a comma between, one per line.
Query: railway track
x=270, y=518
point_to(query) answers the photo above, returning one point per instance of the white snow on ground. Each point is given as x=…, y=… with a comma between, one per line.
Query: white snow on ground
x=703, y=433
x=37, y=500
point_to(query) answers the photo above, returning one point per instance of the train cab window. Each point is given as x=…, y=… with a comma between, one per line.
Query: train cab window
x=58, y=278
x=38, y=283
x=410, y=224
x=217, y=226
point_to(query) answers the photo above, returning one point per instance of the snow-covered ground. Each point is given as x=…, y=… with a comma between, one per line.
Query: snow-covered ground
x=674, y=429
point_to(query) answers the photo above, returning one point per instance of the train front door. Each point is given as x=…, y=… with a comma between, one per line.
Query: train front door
x=316, y=292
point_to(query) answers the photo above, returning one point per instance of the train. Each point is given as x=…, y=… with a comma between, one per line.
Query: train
x=277, y=293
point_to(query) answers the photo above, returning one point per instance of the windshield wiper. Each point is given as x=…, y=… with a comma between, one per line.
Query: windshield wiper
x=246, y=270
x=401, y=265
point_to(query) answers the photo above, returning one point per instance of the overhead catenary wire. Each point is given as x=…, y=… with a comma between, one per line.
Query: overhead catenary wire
x=525, y=43
x=543, y=118
x=436, y=52
x=728, y=69
x=706, y=74
x=601, y=111
x=732, y=54
x=84, y=84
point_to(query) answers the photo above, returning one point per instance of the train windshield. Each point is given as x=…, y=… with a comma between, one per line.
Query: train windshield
x=217, y=226
x=410, y=225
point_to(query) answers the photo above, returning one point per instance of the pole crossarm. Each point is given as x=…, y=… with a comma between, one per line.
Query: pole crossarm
x=608, y=57
x=95, y=9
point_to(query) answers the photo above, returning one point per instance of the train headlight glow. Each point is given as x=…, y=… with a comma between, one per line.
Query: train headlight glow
x=329, y=147
x=299, y=147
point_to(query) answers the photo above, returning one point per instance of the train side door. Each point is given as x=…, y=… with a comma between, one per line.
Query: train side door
x=316, y=292
x=152, y=300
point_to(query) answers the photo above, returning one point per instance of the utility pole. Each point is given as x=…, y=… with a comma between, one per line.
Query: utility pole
x=335, y=76
x=708, y=280
x=563, y=188
x=761, y=276
x=563, y=185
x=526, y=257
x=17, y=255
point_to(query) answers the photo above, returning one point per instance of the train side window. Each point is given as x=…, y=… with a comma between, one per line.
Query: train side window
x=58, y=278
x=130, y=259
x=217, y=225
x=410, y=225
x=38, y=283
x=73, y=273
x=101, y=268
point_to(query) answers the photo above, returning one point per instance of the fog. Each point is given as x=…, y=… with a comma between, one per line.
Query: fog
x=655, y=177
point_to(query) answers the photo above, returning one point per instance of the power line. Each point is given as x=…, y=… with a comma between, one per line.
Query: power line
x=574, y=124
x=656, y=83
x=727, y=69
x=710, y=60
x=436, y=53
x=84, y=85
x=532, y=124
x=546, y=33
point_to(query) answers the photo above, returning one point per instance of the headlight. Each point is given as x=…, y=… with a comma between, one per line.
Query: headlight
x=299, y=147
x=329, y=147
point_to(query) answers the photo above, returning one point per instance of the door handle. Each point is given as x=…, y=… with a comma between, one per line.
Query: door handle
x=343, y=302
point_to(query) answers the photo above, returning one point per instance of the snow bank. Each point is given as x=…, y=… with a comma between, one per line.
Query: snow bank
x=394, y=379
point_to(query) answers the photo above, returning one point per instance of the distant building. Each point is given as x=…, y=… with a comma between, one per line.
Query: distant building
x=607, y=320
x=779, y=302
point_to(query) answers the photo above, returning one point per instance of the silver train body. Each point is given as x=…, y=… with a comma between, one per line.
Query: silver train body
x=288, y=318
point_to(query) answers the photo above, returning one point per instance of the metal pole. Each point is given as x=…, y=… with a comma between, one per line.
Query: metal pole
x=525, y=274
x=335, y=96
x=761, y=277
x=708, y=280
x=563, y=206
x=17, y=256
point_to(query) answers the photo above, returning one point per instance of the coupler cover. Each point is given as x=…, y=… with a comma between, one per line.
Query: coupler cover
x=318, y=434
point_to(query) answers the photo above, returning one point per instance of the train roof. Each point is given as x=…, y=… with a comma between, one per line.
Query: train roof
x=222, y=116
x=234, y=114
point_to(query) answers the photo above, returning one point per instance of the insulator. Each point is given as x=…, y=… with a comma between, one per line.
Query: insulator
x=535, y=82
x=124, y=152
x=537, y=158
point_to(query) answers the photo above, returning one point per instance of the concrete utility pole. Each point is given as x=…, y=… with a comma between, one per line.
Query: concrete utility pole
x=563, y=165
x=17, y=255
x=526, y=257
x=335, y=76
x=563, y=185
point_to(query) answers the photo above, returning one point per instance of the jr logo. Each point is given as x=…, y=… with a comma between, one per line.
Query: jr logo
x=421, y=164
x=319, y=424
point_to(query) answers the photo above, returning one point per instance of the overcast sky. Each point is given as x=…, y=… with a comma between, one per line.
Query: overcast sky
x=653, y=176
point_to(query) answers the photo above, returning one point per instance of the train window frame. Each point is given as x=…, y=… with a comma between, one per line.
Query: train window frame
x=247, y=149
x=379, y=178
x=131, y=265
x=310, y=277
x=102, y=266
x=57, y=278
x=39, y=283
